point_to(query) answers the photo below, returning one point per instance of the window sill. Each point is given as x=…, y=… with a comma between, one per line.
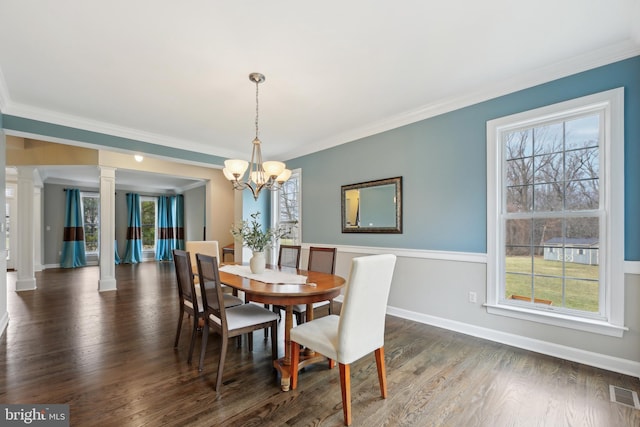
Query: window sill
x=555, y=319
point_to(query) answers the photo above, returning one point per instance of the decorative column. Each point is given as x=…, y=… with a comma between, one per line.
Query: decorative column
x=37, y=223
x=107, y=229
x=25, y=278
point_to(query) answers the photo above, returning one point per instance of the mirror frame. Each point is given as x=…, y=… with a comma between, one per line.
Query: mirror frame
x=397, y=181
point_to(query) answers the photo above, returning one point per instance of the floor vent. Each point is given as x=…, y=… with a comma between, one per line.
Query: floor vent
x=624, y=397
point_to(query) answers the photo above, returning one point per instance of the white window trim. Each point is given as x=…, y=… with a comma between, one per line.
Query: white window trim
x=613, y=186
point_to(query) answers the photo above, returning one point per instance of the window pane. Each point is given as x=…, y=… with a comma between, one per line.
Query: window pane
x=548, y=197
x=148, y=224
x=548, y=290
x=518, y=144
x=548, y=165
x=520, y=198
x=583, y=185
x=548, y=232
x=289, y=209
x=518, y=233
x=582, y=295
x=582, y=132
x=517, y=285
x=549, y=267
x=583, y=248
x=519, y=260
x=91, y=213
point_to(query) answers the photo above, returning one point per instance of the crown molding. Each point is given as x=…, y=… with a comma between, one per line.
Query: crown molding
x=77, y=122
x=597, y=58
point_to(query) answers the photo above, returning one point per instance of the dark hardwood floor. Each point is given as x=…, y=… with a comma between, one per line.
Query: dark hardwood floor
x=110, y=356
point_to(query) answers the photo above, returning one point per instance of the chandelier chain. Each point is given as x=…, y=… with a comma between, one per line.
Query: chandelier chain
x=261, y=175
x=257, y=110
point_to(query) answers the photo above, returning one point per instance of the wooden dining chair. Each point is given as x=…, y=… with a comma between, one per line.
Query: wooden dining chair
x=289, y=256
x=190, y=298
x=229, y=321
x=322, y=260
x=358, y=331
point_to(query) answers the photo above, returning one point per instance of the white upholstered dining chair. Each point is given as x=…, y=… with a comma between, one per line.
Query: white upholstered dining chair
x=358, y=331
x=207, y=247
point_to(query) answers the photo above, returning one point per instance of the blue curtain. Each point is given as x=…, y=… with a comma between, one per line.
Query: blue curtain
x=117, y=257
x=179, y=210
x=170, y=226
x=133, y=252
x=73, y=242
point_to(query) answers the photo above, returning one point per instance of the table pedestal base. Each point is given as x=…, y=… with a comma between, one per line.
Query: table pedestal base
x=284, y=367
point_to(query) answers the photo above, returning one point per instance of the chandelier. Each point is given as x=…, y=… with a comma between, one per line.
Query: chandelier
x=270, y=175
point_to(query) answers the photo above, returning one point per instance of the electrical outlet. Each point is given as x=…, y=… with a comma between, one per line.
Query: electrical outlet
x=473, y=297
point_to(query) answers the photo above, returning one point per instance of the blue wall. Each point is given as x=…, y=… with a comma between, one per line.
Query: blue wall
x=443, y=164
x=262, y=205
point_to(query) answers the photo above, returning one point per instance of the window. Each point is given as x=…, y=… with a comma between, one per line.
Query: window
x=148, y=208
x=555, y=214
x=91, y=218
x=287, y=209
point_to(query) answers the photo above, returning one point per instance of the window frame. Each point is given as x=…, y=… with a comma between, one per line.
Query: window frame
x=611, y=103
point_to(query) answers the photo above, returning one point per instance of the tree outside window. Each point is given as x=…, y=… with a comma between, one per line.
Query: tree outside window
x=288, y=209
x=91, y=213
x=148, y=223
x=552, y=202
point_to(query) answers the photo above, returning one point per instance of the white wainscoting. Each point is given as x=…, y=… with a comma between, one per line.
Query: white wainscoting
x=455, y=291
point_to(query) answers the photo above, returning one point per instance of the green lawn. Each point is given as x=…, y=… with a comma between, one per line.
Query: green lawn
x=580, y=291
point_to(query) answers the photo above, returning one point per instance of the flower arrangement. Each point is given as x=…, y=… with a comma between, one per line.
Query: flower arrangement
x=252, y=235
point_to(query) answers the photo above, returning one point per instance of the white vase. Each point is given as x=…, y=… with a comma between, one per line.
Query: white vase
x=257, y=262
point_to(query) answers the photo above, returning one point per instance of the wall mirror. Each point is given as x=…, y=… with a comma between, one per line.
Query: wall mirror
x=372, y=206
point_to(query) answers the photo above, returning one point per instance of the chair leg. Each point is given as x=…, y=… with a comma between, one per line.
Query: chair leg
x=295, y=360
x=345, y=385
x=223, y=353
x=382, y=374
x=250, y=340
x=193, y=338
x=203, y=349
x=274, y=340
x=175, y=344
x=266, y=330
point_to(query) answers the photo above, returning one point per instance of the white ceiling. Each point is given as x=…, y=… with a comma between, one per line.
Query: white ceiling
x=176, y=73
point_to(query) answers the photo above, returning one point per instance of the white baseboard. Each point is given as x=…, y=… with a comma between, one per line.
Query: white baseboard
x=623, y=366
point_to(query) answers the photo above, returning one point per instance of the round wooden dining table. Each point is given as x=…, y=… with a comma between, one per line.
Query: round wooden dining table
x=318, y=287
